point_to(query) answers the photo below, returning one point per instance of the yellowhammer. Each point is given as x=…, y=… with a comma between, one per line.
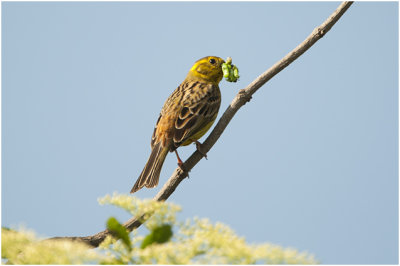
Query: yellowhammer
x=186, y=116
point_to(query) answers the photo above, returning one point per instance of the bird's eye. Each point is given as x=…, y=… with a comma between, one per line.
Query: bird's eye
x=212, y=61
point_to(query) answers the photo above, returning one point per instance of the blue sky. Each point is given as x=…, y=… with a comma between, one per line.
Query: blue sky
x=311, y=162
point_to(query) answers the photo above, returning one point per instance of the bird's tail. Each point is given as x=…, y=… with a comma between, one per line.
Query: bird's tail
x=151, y=172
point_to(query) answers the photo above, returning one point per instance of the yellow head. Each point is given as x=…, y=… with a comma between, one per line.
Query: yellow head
x=208, y=69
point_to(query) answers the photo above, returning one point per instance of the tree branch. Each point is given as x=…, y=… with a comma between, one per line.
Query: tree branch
x=241, y=98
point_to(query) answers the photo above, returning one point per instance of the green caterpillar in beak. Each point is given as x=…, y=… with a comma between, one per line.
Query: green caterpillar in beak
x=231, y=72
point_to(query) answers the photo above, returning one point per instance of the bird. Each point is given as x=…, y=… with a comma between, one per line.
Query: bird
x=187, y=114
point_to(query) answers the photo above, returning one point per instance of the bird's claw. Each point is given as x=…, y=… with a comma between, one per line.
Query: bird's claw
x=199, y=149
x=181, y=164
x=182, y=168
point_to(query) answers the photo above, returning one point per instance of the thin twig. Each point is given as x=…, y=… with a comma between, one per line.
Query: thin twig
x=241, y=98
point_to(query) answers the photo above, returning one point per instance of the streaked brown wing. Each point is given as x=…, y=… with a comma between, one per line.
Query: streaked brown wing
x=195, y=115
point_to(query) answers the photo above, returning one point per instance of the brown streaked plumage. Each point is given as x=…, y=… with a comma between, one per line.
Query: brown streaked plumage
x=186, y=116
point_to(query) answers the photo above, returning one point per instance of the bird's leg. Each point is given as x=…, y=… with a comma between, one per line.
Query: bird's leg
x=180, y=163
x=199, y=149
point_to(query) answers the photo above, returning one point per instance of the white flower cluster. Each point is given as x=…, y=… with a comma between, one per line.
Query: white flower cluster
x=195, y=241
x=156, y=212
x=23, y=247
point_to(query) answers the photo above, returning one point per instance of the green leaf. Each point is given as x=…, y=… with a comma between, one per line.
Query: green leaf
x=158, y=235
x=119, y=231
